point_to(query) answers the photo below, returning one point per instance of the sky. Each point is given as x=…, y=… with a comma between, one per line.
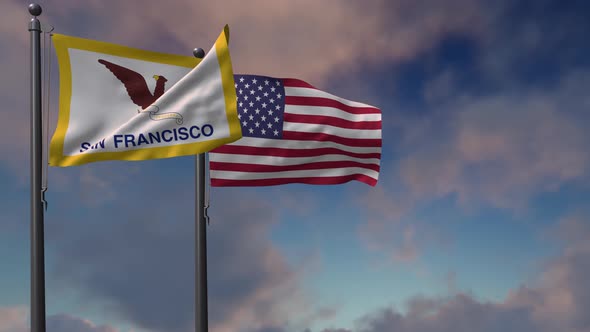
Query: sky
x=479, y=221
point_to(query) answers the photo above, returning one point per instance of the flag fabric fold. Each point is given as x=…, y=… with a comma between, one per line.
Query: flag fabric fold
x=121, y=103
x=296, y=133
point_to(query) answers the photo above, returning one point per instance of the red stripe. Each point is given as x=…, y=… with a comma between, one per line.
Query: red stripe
x=308, y=180
x=280, y=152
x=295, y=83
x=257, y=168
x=365, y=142
x=327, y=102
x=332, y=121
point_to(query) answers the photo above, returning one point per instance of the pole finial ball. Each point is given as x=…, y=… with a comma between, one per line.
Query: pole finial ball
x=35, y=9
x=199, y=53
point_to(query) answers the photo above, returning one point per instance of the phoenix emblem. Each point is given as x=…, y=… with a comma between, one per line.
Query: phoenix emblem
x=140, y=94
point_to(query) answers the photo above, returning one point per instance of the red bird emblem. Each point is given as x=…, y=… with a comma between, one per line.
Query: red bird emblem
x=139, y=92
x=136, y=85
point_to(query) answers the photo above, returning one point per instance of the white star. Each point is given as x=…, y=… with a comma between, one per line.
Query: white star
x=251, y=92
x=240, y=91
x=251, y=117
x=269, y=125
x=236, y=85
x=265, y=82
x=269, y=112
x=254, y=81
x=245, y=97
x=272, y=101
x=278, y=83
x=247, y=85
x=241, y=79
x=257, y=111
x=251, y=104
x=266, y=94
x=272, y=89
x=244, y=123
x=239, y=116
x=279, y=95
x=276, y=132
x=257, y=98
x=260, y=88
x=263, y=105
x=251, y=130
x=245, y=110
x=263, y=131
x=278, y=107
x=276, y=119
x=263, y=118
x=241, y=104
x=257, y=124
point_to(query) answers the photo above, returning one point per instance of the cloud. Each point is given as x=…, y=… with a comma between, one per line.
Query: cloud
x=500, y=150
x=494, y=129
x=558, y=299
x=15, y=319
x=68, y=323
x=136, y=260
x=14, y=88
x=521, y=46
x=460, y=313
x=390, y=229
x=269, y=34
x=562, y=296
x=383, y=226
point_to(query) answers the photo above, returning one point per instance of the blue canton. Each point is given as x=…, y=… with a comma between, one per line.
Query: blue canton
x=261, y=105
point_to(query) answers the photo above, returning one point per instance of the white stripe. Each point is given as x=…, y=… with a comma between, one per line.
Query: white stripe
x=336, y=131
x=307, y=92
x=330, y=111
x=284, y=161
x=297, y=144
x=230, y=175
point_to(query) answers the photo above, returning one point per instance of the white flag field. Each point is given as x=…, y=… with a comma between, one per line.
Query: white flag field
x=121, y=103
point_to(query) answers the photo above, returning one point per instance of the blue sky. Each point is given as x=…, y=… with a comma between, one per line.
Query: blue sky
x=478, y=223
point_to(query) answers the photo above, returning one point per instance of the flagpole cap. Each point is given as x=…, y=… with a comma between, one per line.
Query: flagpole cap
x=199, y=53
x=35, y=9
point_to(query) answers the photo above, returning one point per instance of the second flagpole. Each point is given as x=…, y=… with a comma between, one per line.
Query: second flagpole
x=201, y=321
x=201, y=312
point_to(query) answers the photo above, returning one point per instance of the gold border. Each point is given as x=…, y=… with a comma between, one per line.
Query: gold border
x=229, y=88
x=63, y=43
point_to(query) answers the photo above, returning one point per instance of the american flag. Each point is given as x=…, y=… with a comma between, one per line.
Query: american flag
x=295, y=133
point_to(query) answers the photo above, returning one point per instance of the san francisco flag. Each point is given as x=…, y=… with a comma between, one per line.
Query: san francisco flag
x=121, y=103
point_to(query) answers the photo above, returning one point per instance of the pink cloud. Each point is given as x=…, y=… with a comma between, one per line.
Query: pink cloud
x=275, y=37
x=13, y=319
x=16, y=319
x=499, y=150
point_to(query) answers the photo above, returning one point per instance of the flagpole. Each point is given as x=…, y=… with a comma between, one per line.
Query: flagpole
x=201, y=312
x=36, y=146
x=201, y=322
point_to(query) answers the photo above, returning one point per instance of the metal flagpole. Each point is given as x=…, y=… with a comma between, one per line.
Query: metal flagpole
x=201, y=313
x=36, y=148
